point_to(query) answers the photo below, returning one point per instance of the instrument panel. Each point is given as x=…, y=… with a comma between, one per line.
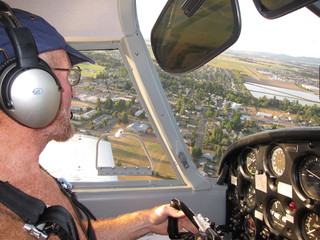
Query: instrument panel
x=274, y=185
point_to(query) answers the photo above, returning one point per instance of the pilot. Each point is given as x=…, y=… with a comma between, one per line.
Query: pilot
x=23, y=137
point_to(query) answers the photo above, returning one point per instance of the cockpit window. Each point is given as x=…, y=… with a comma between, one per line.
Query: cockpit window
x=114, y=140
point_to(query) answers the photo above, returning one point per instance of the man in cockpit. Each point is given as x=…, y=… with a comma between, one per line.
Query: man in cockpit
x=23, y=137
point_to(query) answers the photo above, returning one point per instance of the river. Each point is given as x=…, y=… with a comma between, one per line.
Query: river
x=304, y=98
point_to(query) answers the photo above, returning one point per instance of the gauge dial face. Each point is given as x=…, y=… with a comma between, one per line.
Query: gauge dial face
x=250, y=162
x=311, y=226
x=309, y=177
x=278, y=161
x=277, y=214
x=250, y=196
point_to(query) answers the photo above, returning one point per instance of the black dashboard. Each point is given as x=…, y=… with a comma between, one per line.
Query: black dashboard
x=273, y=181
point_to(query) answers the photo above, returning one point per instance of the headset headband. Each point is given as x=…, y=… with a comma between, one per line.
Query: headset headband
x=21, y=38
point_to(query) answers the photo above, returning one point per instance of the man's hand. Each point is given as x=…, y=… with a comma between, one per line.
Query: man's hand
x=158, y=220
x=134, y=225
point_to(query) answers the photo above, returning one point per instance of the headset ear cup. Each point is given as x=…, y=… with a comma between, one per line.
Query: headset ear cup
x=29, y=91
x=30, y=95
x=46, y=67
x=5, y=83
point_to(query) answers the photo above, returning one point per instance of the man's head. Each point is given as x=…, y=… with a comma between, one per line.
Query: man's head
x=30, y=91
x=60, y=129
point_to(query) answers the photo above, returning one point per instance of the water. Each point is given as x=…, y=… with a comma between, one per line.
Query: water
x=304, y=98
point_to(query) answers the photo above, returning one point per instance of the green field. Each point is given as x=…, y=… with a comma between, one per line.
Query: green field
x=127, y=151
x=234, y=62
x=90, y=70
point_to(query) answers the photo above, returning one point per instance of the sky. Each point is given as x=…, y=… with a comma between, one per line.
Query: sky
x=296, y=34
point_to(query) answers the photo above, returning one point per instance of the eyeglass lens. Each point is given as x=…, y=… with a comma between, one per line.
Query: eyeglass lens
x=74, y=75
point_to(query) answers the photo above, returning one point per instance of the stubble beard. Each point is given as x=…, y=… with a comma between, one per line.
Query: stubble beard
x=62, y=128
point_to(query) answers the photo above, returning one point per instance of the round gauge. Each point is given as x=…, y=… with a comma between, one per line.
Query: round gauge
x=278, y=161
x=311, y=226
x=309, y=176
x=250, y=196
x=277, y=214
x=250, y=227
x=250, y=162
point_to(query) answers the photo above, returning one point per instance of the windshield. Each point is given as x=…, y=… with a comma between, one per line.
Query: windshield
x=269, y=79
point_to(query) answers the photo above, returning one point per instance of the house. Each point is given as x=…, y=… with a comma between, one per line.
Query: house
x=89, y=114
x=245, y=117
x=100, y=121
x=235, y=106
x=138, y=127
x=76, y=108
x=208, y=156
x=198, y=107
x=124, y=98
x=139, y=112
x=265, y=115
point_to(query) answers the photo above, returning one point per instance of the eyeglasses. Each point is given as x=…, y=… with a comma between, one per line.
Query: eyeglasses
x=74, y=74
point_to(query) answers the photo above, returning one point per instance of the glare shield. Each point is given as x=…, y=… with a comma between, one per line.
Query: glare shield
x=189, y=33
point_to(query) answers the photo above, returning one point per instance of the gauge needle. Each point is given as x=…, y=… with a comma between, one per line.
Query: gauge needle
x=313, y=174
x=317, y=227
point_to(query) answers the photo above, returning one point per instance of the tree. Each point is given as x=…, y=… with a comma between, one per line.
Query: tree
x=196, y=152
x=120, y=105
x=217, y=135
x=98, y=104
x=182, y=111
x=124, y=117
x=108, y=104
x=142, y=115
x=191, y=105
x=127, y=86
x=209, y=114
x=227, y=108
x=218, y=151
x=104, y=122
x=235, y=123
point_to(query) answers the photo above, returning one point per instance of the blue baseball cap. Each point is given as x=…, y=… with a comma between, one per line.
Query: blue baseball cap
x=45, y=36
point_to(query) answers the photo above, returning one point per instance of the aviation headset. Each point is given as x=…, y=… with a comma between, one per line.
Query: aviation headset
x=29, y=90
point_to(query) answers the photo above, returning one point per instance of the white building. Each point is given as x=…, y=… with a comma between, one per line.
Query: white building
x=139, y=112
x=138, y=127
x=265, y=115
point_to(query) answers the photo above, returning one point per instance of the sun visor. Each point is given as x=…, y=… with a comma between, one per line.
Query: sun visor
x=189, y=33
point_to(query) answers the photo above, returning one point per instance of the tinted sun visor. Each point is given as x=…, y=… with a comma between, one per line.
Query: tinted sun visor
x=276, y=8
x=189, y=33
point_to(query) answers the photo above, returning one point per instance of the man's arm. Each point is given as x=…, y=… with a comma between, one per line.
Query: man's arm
x=134, y=225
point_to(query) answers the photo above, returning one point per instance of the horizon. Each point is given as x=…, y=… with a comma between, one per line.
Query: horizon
x=260, y=52
x=271, y=53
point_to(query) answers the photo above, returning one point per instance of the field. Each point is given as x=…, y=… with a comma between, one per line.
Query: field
x=89, y=70
x=249, y=65
x=127, y=151
x=273, y=83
